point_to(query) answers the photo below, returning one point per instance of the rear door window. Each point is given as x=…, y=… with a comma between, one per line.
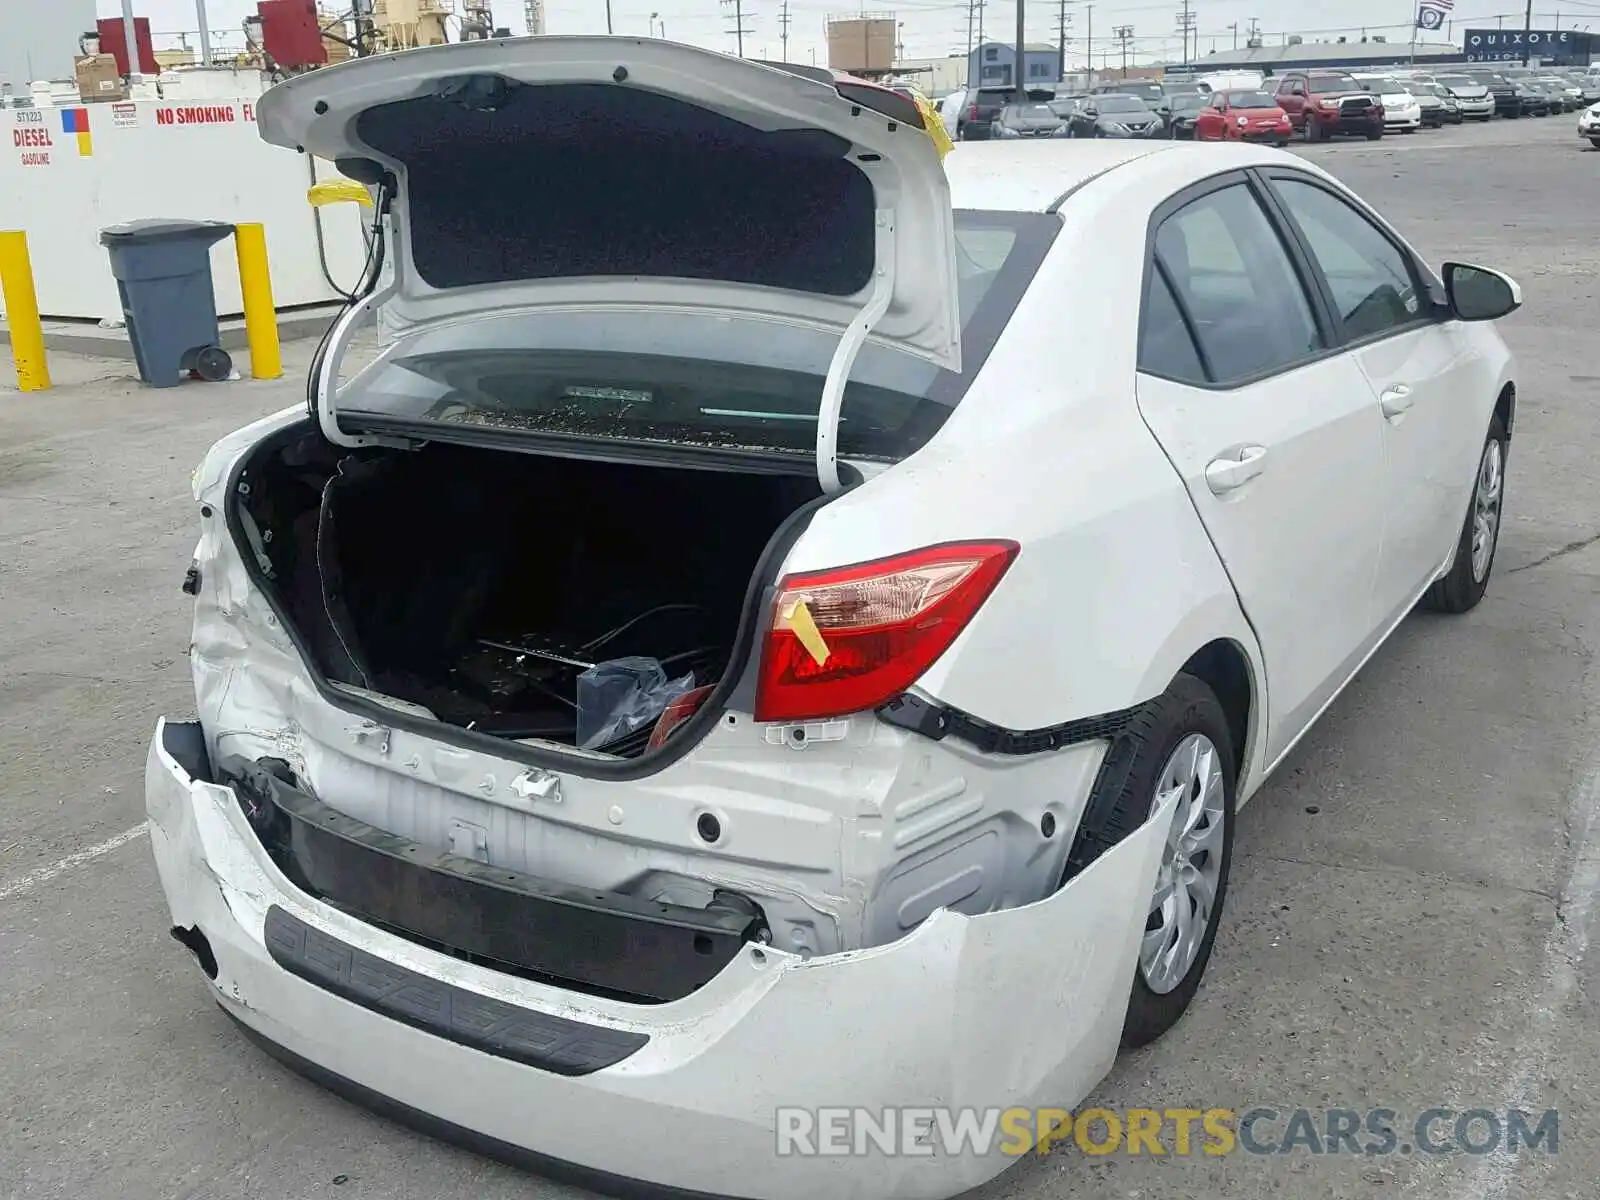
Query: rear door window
x=1237, y=285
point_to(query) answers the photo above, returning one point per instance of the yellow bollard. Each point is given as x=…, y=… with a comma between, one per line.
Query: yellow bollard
x=22, y=312
x=260, y=313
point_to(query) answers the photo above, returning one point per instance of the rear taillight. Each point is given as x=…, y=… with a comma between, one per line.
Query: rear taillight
x=851, y=638
x=972, y=113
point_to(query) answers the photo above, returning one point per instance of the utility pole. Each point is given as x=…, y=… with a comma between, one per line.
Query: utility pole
x=1061, y=41
x=1021, y=69
x=1124, y=34
x=1527, y=28
x=1255, y=32
x=783, y=26
x=608, y=16
x=1186, y=26
x=1235, y=28
x=1088, y=46
x=205, y=32
x=739, y=28
x=972, y=21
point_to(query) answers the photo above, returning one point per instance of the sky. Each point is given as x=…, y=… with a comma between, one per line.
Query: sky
x=934, y=28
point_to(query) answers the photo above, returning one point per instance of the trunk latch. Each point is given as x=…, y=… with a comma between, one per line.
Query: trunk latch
x=534, y=785
x=370, y=733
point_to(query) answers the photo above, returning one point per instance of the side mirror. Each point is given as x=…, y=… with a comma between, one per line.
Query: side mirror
x=1479, y=294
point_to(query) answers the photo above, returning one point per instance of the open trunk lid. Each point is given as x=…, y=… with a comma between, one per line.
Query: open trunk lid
x=562, y=174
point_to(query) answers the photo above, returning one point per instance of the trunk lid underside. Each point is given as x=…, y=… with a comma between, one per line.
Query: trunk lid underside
x=562, y=174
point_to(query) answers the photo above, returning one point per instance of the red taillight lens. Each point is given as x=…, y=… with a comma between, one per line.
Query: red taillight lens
x=972, y=113
x=676, y=713
x=851, y=638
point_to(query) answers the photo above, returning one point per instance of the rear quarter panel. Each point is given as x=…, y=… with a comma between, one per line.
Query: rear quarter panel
x=1116, y=584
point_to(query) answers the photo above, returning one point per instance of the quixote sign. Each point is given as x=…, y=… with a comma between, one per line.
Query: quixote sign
x=1564, y=47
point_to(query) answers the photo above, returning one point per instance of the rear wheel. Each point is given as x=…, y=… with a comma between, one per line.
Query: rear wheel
x=1595, y=142
x=1464, y=585
x=1179, y=746
x=1313, y=130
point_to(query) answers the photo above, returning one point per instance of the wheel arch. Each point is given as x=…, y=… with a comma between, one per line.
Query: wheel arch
x=1224, y=666
x=1505, y=407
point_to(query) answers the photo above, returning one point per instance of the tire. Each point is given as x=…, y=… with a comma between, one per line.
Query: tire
x=1464, y=585
x=1313, y=130
x=1374, y=134
x=1595, y=142
x=1128, y=785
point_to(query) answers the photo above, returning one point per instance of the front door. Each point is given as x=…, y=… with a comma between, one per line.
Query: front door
x=1426, y=380
x=1278, y=441
x=1292, y=99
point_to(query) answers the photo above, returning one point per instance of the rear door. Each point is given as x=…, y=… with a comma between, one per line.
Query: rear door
x=1432, y=389
x=1275, y=435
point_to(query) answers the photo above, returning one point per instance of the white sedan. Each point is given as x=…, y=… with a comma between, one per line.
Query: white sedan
x=785, y=623
x=1589, y=124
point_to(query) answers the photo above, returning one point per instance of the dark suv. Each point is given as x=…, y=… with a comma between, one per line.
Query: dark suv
x=984, y=107
x=1507, y=99
x=1323, y=103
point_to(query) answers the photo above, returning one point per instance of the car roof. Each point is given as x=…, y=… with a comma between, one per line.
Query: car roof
x=1007, y=177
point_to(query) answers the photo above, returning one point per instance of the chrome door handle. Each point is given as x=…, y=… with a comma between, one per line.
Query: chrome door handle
x=1235, y=468
x=1396, y=400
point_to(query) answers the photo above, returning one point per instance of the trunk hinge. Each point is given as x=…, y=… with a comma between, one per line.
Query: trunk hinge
x=844, y=355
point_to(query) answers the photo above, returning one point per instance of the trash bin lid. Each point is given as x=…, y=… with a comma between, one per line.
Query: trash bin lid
x=157, y=229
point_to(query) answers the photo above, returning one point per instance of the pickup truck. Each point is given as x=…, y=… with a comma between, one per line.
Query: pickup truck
x=1321, y=104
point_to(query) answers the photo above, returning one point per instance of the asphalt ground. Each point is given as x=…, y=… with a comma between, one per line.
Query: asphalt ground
x=1412, y=895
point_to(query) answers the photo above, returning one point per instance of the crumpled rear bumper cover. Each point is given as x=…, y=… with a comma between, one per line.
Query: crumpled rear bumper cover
x=1020, y=1007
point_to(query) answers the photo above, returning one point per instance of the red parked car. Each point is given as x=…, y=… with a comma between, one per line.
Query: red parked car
x=1243, y=116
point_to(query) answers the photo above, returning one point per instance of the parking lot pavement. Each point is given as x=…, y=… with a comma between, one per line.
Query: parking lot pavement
x=1412, y=896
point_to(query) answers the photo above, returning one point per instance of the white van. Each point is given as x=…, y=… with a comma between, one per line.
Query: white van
x=950, y=109
x=1223, y=81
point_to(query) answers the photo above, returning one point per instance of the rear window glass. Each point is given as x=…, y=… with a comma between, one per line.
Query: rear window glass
x=711, y=382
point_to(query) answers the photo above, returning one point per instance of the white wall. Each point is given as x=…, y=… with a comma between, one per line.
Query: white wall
x=39, y=39
x=206, y=163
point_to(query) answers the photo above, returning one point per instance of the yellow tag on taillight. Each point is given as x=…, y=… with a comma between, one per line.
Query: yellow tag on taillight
x=804, y=625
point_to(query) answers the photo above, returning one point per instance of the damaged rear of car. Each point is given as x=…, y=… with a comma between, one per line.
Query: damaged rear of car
x=547, y=777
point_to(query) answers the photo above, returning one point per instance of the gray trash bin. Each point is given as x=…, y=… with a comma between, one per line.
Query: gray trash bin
x=163, y=273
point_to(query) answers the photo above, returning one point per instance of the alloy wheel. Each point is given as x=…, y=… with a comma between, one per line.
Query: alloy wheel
x=1486, y=508
x=1185, y=897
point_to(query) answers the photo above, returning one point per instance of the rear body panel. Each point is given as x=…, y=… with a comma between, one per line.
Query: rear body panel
x=706, y=1075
